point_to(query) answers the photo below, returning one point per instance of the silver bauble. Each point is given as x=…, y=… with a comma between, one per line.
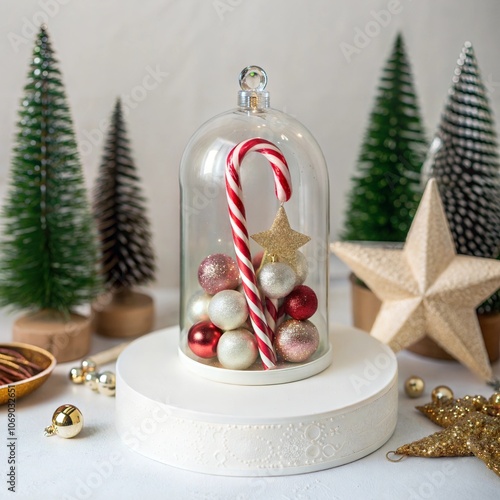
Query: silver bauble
x=197, y=307
x=237, y=349
x=276, y=279
x=301, y=268
x=228, y=309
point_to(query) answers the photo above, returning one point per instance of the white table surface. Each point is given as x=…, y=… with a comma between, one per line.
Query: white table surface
x=97, y=465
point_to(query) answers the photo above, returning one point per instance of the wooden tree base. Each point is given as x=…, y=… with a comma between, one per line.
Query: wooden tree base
x=66, y=338
x=366, y=305
x=124, y=314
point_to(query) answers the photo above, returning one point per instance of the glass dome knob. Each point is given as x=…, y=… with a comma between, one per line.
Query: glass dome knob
x=253, y=78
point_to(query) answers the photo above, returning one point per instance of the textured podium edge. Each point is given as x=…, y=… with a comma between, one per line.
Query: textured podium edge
x=235, y=446
x=308, y=446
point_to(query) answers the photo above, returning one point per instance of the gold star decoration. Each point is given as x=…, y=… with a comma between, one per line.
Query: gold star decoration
x=475, y=434
x=446, y=413
x=426, y=288
x=472, y=427
x=281, y=242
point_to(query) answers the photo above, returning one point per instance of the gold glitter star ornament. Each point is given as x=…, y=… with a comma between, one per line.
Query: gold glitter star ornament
x=281, y=242
x=426, y=288
x=475, y=434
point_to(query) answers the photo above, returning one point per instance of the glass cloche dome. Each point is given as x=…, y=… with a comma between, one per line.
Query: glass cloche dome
x=254, y=245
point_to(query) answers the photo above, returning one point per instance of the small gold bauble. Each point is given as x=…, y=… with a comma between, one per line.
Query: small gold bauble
x=67, y=422
x=106, y=383
x=76, y=375
x=495, y=399
x=91, y=379
x=414, y=386
x=88, y=365
x=442, y=393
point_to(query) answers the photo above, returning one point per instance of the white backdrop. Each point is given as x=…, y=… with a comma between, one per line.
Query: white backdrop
x=176, y=62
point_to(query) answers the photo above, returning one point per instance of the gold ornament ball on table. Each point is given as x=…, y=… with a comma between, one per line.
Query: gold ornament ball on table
x=76, y=375
x=88, y=366
x=67, y=422
x=106, y=383
x=414, y=386
x=441, y=393
x=91, y=380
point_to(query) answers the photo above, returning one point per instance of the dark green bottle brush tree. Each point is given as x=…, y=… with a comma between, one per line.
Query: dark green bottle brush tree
x=127, y=257
x=464, y=160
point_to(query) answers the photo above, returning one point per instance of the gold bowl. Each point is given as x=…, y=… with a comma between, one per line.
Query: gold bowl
x=36, y=355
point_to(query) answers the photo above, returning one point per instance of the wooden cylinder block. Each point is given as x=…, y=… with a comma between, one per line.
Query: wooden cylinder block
x=124, y=314
x=67, y=338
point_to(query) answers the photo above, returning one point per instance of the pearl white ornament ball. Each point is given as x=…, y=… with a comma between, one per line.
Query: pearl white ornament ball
x=228, y=309
x=237, y=349
x=197, y=307
x=276, y=279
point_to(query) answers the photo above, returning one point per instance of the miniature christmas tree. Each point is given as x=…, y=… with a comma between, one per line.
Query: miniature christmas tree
x=49, y=253
x=127, y=254
x=386, y=188
x=464, y=160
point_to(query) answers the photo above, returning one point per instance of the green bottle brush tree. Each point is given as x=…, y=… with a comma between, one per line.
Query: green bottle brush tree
x=48, y=262
x=386, y=186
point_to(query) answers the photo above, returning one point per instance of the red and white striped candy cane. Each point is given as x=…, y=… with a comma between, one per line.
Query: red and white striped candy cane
x=237, y=216
x=271, y=315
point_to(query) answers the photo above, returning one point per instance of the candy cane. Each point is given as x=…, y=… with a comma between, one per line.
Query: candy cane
x=237, y=216
x=281, y=315
x=272, y=316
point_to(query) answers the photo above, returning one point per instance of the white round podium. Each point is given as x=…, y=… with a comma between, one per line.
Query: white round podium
x=167, y=413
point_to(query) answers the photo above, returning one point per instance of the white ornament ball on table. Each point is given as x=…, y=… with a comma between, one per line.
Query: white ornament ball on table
x=197, y=307
x=228, y=309
x=296, y=341
x=237, y=349
x=276, y=279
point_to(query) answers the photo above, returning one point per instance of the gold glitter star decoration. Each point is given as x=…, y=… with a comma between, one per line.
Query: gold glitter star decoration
x=426, y=288
x=447, y=412
x=281, y=242
x=467, y=431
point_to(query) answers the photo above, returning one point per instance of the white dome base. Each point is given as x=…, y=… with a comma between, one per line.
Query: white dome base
x=169, y=414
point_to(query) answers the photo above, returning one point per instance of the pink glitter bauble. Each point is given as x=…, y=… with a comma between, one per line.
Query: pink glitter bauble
x=218, y=272
x=296, y=341
x=301, y=303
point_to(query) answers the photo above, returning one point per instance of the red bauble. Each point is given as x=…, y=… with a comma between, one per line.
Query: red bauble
x=203, y=338
x=301, y=303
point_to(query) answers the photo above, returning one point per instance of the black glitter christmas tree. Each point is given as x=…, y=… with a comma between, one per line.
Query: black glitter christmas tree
x=127, y=255
x=49, y=249
x=386, y=187
x=464, y=160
